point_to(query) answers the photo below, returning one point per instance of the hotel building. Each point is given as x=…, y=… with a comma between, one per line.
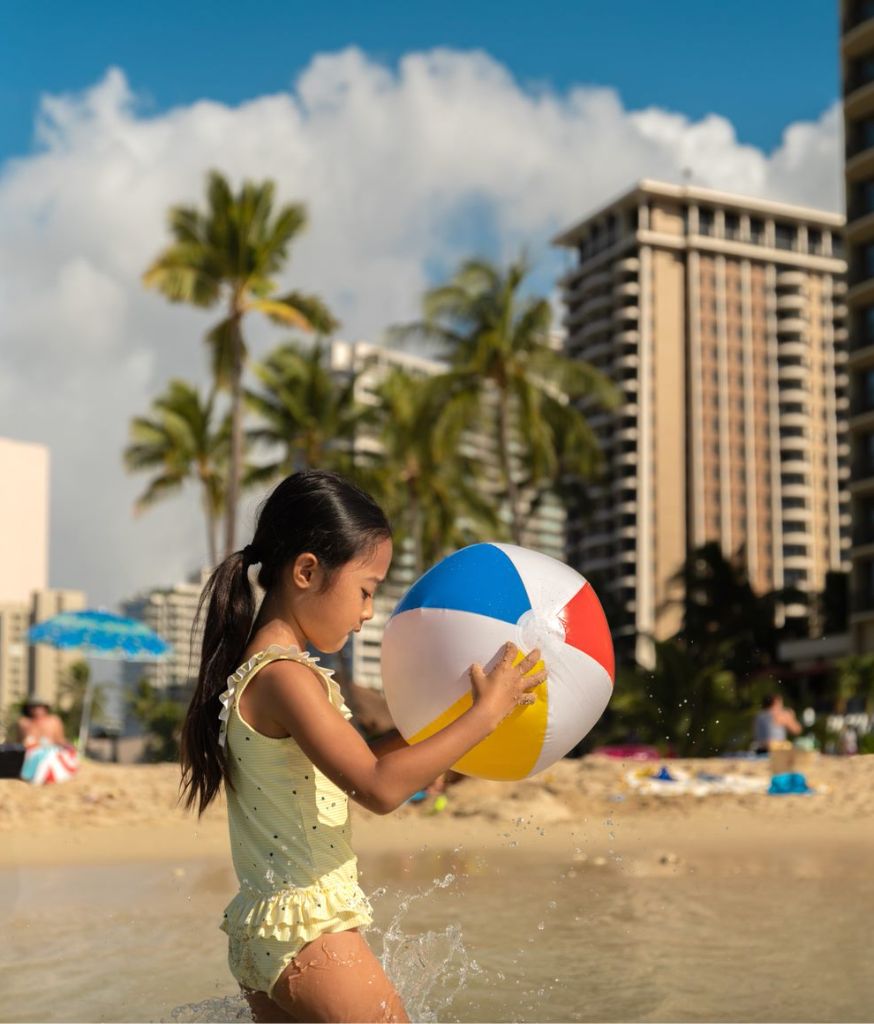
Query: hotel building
x=857, y=60
x=170, y=611
x=722, y=320
x=25, y=597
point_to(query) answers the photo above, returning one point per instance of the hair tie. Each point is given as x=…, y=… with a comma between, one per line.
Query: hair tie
x=249, y=557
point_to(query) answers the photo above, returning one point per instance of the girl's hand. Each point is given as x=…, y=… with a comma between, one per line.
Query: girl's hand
x=507, y=685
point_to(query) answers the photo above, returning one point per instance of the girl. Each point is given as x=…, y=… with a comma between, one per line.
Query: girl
x=268, y=722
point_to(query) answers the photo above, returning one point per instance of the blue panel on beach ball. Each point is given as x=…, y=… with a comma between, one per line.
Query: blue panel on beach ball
x=479, y=579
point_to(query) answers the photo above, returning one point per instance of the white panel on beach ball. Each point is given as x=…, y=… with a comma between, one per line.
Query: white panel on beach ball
x=461, y=612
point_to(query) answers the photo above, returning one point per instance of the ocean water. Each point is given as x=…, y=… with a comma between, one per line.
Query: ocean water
x=506, y=935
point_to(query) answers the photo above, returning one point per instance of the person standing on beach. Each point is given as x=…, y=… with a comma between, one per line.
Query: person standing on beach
x=269, y=723
x=773, y=723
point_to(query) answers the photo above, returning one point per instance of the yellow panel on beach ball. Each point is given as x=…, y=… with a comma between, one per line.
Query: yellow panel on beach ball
x=461, y=613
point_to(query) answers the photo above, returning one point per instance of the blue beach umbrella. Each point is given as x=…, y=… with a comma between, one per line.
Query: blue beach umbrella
x=99, y=634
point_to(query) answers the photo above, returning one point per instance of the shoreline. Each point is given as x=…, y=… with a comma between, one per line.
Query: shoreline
x=578, y=812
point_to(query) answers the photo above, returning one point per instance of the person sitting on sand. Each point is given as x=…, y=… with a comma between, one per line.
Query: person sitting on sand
x=37, y=723
x=47, y=755
x=772, y=724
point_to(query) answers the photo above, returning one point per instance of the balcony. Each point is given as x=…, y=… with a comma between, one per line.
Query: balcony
x=791, y=324
x=793, y=300
x=794, y=444
x=792, y=372
x=793, y=347
x=627, y=289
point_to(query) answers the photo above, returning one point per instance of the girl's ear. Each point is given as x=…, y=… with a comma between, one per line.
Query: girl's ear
x=304, y=572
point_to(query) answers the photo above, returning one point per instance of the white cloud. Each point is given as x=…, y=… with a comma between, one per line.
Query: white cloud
x=402, y=171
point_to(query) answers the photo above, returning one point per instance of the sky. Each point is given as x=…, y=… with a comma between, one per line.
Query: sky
x=415, y=135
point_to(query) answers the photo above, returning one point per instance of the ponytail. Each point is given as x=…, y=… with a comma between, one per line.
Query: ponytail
x=312, y=511
x=230, y=611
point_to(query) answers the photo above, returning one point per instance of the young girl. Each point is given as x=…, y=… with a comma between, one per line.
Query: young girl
x=268, y=722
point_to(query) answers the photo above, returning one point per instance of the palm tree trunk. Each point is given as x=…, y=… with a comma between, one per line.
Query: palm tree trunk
x=235, y=466
x=504, y=440
x=415, y=508
x=211, y=524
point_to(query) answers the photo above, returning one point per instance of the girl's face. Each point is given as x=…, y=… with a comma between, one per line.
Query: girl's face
x=327, y=617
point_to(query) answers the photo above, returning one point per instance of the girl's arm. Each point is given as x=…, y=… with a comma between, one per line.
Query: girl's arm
x=295, y=698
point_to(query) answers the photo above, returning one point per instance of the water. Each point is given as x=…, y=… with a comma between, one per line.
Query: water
x=501, y=936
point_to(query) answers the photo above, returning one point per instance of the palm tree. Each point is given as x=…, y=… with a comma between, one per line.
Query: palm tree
x=506, y=375
x=181, y=442
x=230, y=255
x=305, y=411
x=723, y=613
x=433, y=498
x=685, y=703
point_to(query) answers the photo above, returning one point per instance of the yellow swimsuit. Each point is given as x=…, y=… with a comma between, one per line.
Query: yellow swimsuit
x=290, y=834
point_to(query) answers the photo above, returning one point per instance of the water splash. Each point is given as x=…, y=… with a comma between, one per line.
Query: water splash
x=233, y=1009
x=429, y=968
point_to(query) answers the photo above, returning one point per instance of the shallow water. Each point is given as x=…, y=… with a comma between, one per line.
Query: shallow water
x=499, y=936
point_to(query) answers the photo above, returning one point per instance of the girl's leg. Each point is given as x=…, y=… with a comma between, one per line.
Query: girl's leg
x=336, y=978
x=264, y=1010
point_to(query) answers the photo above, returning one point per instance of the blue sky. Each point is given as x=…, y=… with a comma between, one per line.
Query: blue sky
x=760, y=64
x=417, y=135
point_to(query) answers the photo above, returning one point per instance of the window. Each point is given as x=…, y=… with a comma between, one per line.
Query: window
x=814, y=240
x=861, y=72
x=785, y=235
x=705, y=222
x=866, y=256
x=862, y=200
x=757, y=230
x=732, y=225
x=864, y=327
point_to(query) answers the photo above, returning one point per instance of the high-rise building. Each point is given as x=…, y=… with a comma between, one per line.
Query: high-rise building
x=722, y=320
x=24, y=520
x=170, y=611
x=857, y=60
x=543, y=530
x=25, y=597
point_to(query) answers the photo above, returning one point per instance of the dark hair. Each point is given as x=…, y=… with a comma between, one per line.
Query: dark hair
x=313, y=511
x=769, y=700
x=34, y=702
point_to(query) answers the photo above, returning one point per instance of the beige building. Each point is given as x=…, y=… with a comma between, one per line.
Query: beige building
x=722, y=320
x=25, y=597
x=24, y=520
x=170, y=611
x=544, y=529
x=857, y=59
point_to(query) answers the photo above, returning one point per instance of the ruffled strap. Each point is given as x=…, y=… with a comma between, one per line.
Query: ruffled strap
x=275, y=652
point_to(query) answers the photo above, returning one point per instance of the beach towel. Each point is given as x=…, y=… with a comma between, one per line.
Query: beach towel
x=788, y=782
x=49, y=762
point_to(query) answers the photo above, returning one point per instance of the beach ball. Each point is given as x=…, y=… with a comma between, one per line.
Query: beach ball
x=463, y=611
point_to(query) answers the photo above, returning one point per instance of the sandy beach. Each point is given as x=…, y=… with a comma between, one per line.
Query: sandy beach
x=112, y=813
x=572, y=896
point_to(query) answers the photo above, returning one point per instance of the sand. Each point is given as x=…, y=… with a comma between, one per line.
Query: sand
x=579, y=810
